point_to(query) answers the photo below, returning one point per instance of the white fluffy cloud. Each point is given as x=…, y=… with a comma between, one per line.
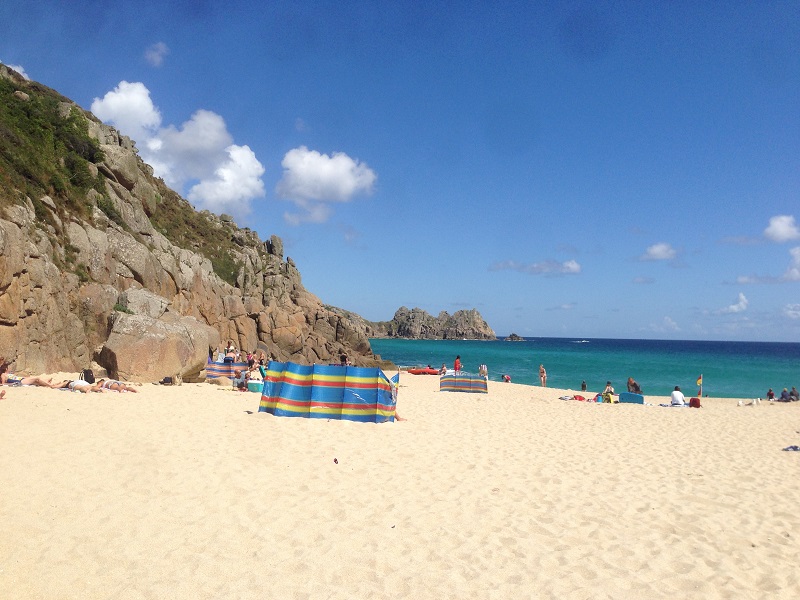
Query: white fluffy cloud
x=235, y=181
x=660, y=251
x=222, y=176
x=545, y=267
x=782, y=228
x=192, y=151
x=312, y=180
x=156, y=53
x=792, y=311
x=793, y=272
x=739, y=306
x=129, y=108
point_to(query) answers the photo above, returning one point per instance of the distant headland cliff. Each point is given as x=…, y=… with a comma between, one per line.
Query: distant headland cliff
x=417, y=324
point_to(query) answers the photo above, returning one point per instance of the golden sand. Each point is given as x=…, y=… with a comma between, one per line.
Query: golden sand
x=189, y=492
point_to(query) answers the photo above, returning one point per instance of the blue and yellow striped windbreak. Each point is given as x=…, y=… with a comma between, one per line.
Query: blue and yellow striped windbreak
x=214, y=369
x=463, y=382
x=327, y=392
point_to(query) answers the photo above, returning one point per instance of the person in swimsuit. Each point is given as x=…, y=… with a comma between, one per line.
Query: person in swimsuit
x=78, y=385
x=116, y=386
x=11, y=379
x=7, y=378
x=542, y=376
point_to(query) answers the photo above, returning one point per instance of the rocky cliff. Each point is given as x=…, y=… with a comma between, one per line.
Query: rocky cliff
x=102, y=264
x=418, y=324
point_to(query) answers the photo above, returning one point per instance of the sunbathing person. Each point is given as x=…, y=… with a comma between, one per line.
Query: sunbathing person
x=78, y=385
x=11, y=379
x=116, y=385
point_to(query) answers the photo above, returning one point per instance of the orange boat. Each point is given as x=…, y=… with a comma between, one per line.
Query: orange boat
x=423, y=371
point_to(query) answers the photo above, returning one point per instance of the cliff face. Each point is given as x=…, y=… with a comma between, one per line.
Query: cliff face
x=418, y=324
x=87, y=271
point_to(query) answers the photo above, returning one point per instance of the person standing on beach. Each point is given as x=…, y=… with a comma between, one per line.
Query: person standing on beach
x=542, y=376
x=457, y=364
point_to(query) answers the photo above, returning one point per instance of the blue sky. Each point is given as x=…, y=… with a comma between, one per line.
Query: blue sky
x=579, y=169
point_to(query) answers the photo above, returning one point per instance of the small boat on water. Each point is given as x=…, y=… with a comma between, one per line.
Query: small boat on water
x=423, y=371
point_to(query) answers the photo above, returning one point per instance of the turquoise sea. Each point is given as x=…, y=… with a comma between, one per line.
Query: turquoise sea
x=729, y=369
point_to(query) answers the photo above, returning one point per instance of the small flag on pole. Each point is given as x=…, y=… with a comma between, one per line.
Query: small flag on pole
x=700, y=381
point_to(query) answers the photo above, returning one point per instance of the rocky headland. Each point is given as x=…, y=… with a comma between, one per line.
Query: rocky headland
x=417, y=324
x=102, y=265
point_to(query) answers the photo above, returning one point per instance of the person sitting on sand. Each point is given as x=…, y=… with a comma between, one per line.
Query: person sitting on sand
x=116, y=386
x=483, y=370
x=633, y=387
x=240, y=379
x=794, y=395
x=443, y=370
x=677, y=397
x=770, y=395
x=507, y=378
x=608, y=393
x=784, y=396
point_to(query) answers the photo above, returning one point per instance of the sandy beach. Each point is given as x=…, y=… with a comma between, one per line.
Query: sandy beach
x=189, y=492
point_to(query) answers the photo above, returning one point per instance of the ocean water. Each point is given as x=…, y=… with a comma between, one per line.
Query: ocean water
x=729, y=369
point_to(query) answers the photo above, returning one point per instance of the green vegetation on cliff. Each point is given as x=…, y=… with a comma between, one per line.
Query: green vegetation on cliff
x=46, y=150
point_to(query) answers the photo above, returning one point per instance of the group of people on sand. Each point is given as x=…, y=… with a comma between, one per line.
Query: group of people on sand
x=786, y=395
x=483, y=370
x=75, y=385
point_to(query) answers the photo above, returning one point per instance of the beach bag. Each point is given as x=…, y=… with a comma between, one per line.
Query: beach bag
x=694, y=403
x=87, y=375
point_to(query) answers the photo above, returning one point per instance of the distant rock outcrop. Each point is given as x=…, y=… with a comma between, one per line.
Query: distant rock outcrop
x=87, y=279
x=418, y=324
x=514, y=338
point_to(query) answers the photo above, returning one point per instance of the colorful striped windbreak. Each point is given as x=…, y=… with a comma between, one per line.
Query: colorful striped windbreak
x=215, y=369
x=463, y=382
x=328, y=392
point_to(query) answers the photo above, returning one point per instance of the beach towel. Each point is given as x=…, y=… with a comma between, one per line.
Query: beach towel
x=792, y=449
